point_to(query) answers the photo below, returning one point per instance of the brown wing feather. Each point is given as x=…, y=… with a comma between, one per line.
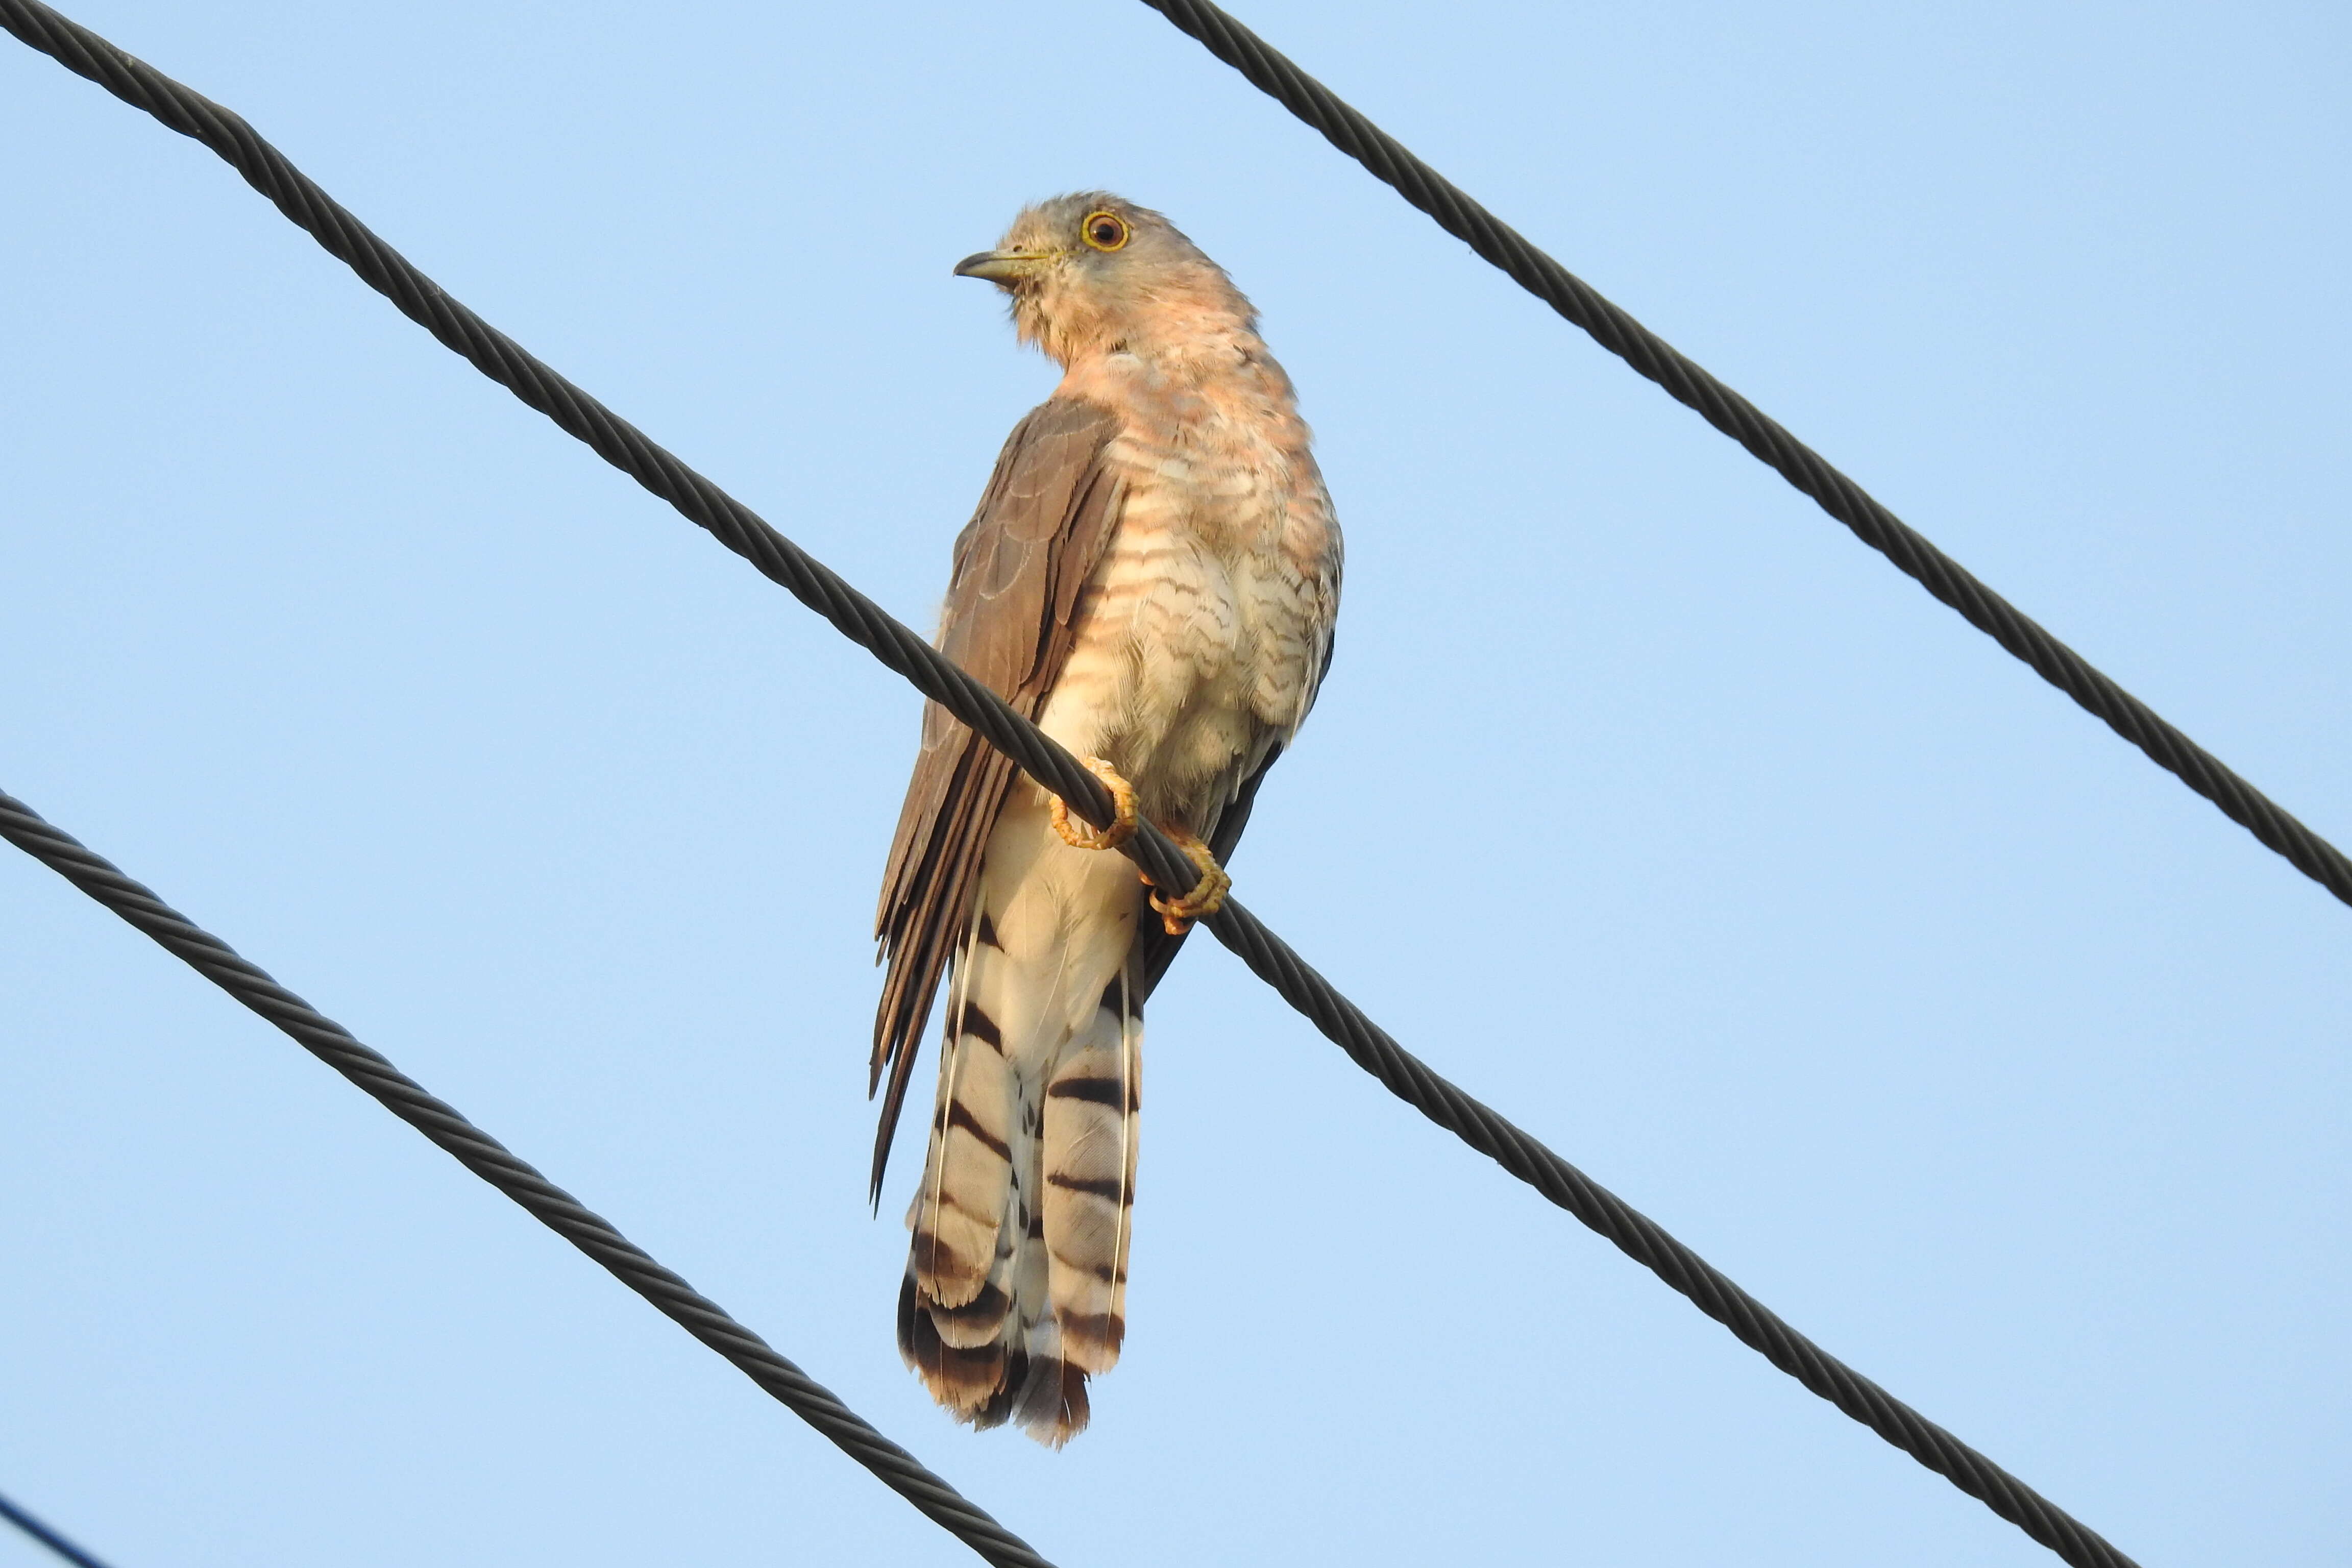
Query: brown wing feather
x=1020, y=566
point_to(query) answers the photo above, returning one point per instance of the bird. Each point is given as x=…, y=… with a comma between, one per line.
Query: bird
x=1153, y=576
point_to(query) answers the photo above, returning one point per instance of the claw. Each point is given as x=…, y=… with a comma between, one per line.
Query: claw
x=1122, y=825
x=1208, y=895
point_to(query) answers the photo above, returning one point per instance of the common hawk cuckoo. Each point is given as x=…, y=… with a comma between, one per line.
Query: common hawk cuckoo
x=1152, y=577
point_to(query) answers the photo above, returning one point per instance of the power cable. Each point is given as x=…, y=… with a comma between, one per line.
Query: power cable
x=1387, y=159
x=866, y=624
x=544, y=1201
x=47, y=1536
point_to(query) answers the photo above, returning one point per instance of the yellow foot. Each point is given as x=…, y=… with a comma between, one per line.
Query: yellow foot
x=1208, y=894
x=1122, y=825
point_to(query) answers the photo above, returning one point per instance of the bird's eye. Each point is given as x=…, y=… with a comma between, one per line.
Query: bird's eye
x=1104, y=230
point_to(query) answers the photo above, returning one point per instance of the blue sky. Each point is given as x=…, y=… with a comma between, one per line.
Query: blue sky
x=1642, y=801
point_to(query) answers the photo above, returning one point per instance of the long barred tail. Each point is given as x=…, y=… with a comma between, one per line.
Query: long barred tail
x=1016, y=1281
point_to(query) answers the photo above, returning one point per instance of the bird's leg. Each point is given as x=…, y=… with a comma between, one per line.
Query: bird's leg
x=1176, y=915
x=1122, y=822
x=1208, y=894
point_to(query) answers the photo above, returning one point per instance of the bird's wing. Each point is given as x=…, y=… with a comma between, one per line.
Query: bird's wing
x=1020, y=566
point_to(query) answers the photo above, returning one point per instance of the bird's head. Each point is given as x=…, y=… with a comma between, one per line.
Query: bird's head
x=1090, y=273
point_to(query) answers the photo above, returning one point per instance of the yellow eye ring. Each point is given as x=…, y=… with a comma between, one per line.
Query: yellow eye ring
x=1103, y=229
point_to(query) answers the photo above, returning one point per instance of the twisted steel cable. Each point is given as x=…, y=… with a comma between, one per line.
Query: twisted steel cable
x=1389, y=161
x=493, y=1162
x=47, y=1536
x=865, y=622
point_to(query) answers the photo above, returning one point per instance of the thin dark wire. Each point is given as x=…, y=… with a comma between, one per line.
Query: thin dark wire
x=495, y=1163
x=865, y=622
x=47, y=1536
x=1276, y=76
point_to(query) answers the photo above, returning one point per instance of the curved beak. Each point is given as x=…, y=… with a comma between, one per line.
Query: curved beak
x=1002, y=266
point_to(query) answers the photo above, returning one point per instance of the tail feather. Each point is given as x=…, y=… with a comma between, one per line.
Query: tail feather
x=1090, y=1166
x=968, y=1172
x=1016, y=1277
